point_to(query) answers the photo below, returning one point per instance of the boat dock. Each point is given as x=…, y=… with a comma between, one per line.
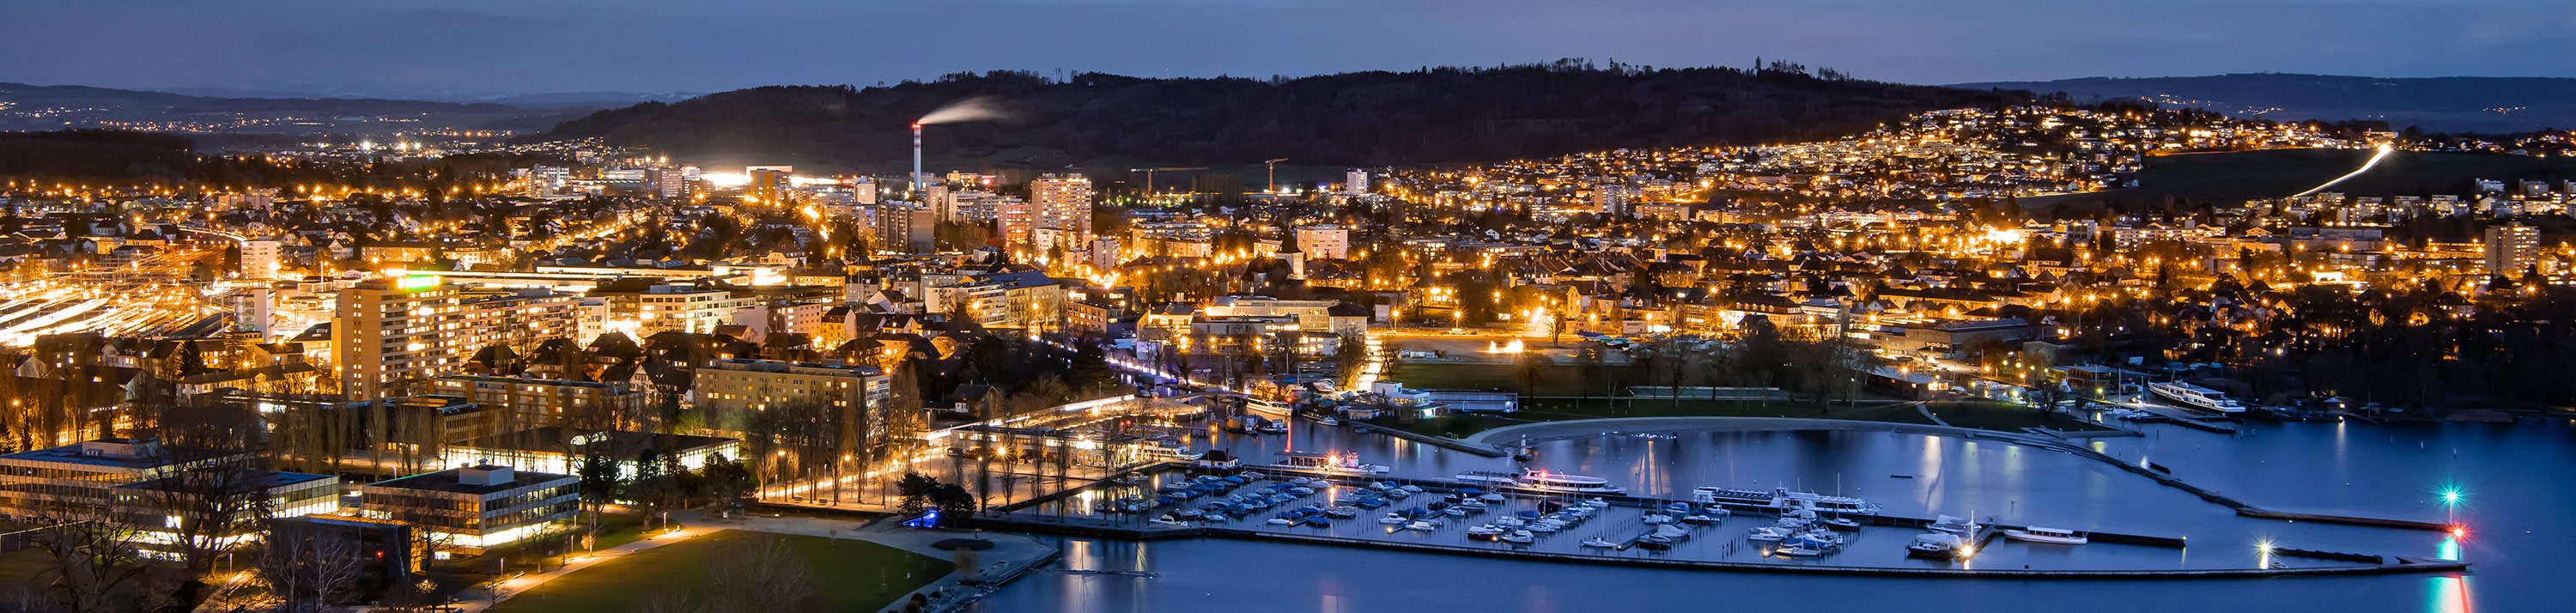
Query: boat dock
x=1024, y=517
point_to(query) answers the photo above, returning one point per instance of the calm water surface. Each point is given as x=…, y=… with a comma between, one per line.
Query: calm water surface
x=2515, y=480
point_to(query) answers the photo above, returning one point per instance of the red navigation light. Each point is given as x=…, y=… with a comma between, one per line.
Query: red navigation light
x=2459, y=531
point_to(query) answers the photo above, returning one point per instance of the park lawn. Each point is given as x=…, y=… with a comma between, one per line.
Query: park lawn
x=1556, y=380
x=2006, y=417
x=853, y=575
x=18, y=569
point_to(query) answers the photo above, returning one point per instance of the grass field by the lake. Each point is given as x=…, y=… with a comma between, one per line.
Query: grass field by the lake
x=852, y=575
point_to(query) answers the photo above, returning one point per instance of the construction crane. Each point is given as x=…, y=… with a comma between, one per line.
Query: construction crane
x=1149, y=175
x=1273, y=178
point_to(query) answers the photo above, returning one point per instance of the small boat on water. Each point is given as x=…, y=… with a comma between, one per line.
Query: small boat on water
x=1485, y=532
x=1599, y=543
x=1519, y=537
x=1797, y=551
x=1491, y=497
x=1953, y=525
x=1937, y=545
x=2053, y=536
x=1656, y=518
x=1838, y=523
x=1425, y=525
x=1769, y=533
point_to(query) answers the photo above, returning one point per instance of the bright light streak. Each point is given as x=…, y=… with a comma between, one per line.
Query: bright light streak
x=2384, y=150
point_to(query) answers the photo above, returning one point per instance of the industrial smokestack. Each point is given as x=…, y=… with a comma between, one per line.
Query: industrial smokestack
x=916, y=156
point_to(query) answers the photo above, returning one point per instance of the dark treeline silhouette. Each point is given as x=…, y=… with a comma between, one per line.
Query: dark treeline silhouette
x=1361, y=118
x=120, y=158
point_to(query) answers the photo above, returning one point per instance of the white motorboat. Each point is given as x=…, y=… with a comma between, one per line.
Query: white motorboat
x=1698, y=519
x=1519, y=537
x=1281, y=521
x=1392, y=518
x=2196, y=397
x=1838, y=523
x=1454, y=511
x=1657, y=518
x=2053, y=536
x=1425, y=525
x=1511, y=522
x=1769, y=533
x=1937, y=545
x=1483, y=532
x=1599, y=543
x=1673, y=532
x=1797, y=551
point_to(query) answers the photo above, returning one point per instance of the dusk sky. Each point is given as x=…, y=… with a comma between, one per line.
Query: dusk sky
x=479, y=48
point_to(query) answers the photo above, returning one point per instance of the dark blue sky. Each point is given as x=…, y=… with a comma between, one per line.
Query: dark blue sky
x=476, y=48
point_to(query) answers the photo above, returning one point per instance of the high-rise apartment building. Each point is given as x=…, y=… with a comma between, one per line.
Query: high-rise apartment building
x=389, y=331
x=1324, y=242
x=402, y=333
x=2511, y=249
x=1062, y=202
x=1355, y=182
x=259, y=258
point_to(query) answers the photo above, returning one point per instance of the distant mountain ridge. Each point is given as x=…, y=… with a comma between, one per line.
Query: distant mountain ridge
x=2439, y=104
x=53, y=107
x=1433, y=115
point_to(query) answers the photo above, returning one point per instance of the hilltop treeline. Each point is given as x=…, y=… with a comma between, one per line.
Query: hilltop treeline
x=116, y=158
x=1361, y=118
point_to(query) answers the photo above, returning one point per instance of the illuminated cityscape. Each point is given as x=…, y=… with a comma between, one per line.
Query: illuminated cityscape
x=1554, y=336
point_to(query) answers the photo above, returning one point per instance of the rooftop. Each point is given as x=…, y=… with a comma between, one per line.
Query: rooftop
x=454, y=480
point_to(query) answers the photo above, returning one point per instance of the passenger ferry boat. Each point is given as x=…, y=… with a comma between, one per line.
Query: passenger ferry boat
x=1536, y=480
x=2196, y=397
x=1781, y=499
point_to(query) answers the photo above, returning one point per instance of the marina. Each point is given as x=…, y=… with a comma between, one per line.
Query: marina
x=1720, y=528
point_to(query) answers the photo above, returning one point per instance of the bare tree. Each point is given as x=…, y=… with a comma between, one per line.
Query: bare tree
x=309, y=572
x=213, y=489
x=89, y=559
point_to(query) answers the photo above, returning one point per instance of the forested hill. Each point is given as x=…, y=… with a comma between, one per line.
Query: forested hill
x=1364, y=118
x=2440, y=104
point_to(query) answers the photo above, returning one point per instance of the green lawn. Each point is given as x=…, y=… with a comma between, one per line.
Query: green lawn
x=1557, y=380
x=2005, y=417
x=853, y=575
x=18, y=569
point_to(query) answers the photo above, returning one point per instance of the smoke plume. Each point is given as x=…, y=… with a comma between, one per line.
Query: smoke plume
x=978, y=108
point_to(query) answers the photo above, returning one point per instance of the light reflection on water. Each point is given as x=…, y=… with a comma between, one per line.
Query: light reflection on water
x=2517, y=476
